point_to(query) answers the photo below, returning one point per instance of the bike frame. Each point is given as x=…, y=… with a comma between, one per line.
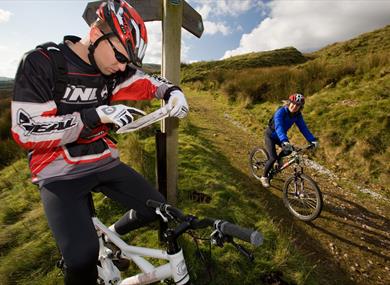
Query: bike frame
x=295, y=159
x=175, y=268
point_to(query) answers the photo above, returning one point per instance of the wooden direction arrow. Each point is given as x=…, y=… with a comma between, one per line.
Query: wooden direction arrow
x=151, y=10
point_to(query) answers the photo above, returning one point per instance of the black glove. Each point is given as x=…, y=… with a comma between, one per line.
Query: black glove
x=287, y=148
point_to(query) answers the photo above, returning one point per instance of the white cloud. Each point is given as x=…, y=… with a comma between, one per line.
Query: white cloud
x=154, y=50
x=8, y=68
x=212, y=28
x=204, y=11
x=224, y=7
x=4, y=15
x=310, y=25
x=212, y=9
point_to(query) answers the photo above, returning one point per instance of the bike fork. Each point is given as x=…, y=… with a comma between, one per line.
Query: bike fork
x=298, y=189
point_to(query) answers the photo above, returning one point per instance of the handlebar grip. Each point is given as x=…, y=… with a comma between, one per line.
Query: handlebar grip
x=248, y=235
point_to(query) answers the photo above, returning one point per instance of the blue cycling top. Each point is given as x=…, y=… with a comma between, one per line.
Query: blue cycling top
x=283, y=119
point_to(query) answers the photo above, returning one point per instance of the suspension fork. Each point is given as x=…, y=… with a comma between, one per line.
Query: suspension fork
x=298, y=170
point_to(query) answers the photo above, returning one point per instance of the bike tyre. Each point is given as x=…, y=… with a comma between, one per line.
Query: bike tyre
x=314, y=190
x=257, y=159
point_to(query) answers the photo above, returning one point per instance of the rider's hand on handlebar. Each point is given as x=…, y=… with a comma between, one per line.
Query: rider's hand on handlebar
x=314, y=144
x=119, y=115
x=287, y=147
x=177, y=104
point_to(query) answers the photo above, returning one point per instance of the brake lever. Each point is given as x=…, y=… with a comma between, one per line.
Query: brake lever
x=217, y=238
x=158, y=212
x=243, y=250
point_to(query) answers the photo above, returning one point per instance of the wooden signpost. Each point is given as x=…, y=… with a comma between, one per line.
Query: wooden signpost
x=174, y=14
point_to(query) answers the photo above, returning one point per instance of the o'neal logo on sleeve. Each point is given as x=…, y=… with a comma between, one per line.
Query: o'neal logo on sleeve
x=36, y=128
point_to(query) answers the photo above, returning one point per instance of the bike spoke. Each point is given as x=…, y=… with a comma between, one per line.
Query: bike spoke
x=311, y=202
x=257, y=161
x=302, y=198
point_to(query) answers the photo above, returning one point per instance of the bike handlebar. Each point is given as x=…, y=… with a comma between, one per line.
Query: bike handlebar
x=300, y=149
x=248, y=235
x=226, y=228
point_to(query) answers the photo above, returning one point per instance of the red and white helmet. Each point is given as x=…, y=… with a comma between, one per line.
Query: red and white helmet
x=127, y=25
x=297, y=99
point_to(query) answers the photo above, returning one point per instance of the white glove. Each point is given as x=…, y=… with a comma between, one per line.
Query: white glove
x=315, y=144
x=119, y=115
x=177, y=103
x=287, y=147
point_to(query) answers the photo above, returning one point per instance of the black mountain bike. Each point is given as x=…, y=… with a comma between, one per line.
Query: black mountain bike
x=301, y=194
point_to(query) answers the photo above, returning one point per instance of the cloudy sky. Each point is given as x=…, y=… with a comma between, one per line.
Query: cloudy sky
x=232, y=27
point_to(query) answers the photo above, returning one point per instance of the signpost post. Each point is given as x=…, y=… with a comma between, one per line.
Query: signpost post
x=174, y=14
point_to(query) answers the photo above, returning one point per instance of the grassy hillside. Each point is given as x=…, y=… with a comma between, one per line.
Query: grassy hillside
x=372, y=42
x=348, y=90
x=9, y=151
x=201, y=71
x=5, y=85
x=2, y=78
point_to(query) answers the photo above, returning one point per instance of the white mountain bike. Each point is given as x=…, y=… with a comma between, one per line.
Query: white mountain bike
x=115, y=254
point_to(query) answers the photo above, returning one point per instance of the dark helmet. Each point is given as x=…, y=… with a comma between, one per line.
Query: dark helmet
x=127, y=25
x=297, y=99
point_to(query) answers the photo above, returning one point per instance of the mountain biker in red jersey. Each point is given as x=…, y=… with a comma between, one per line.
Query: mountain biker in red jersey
x=276, y=132
x=69, y=151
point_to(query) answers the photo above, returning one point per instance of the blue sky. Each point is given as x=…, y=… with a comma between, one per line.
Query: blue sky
x=231, y=26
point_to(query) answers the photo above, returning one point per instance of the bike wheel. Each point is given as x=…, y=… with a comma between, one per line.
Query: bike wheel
x=302, y=197
x=257, y=159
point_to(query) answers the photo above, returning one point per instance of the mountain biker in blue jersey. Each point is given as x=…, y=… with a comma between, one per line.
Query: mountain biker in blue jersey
x=276, y=132
x=63, y=106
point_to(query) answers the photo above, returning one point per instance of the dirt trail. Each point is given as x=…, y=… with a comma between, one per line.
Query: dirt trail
x=349, y=242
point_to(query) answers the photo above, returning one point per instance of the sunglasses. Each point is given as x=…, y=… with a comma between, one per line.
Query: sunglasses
x=118, y=55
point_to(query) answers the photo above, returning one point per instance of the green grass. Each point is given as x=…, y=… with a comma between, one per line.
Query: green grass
x=204, y=169
x=347, y=89
x=28, y=252
x=351, y=120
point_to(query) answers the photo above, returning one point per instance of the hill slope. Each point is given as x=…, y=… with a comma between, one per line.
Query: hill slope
x=280, y=57
x=347, y=244
x=348, y=90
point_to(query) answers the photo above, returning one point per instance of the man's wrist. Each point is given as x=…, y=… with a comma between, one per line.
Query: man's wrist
x=90, y=118
x=167, y=93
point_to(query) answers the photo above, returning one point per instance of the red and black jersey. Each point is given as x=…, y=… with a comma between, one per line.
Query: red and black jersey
x=64, y=136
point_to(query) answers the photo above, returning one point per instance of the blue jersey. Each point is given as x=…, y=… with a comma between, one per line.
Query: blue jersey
x=283, y=120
